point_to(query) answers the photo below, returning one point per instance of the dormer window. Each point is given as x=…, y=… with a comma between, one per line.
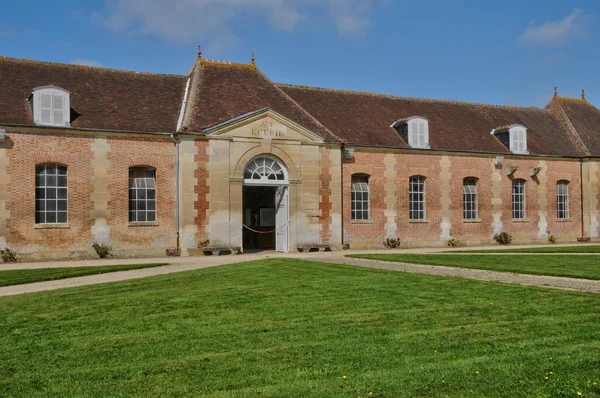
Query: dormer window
x=514, y=137
x=414, y=130
x=51, y=106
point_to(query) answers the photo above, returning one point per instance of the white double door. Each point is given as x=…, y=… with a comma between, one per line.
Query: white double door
x=282, y=219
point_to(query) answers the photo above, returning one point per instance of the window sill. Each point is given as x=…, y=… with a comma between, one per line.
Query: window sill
x=418, y=221
x=53, y=226
x=518, y=220
x=472, y=221
x=143, y=224
x=361, y=222
x=564, y=220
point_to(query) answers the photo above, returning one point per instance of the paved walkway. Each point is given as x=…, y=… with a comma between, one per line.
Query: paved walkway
x=179, y=264
x=585, y=285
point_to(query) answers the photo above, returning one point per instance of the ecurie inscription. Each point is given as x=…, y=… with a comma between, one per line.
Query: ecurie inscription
x=269, y=129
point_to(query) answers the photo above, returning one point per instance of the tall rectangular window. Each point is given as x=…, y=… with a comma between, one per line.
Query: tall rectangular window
x=360, y=197
x=470, y=200
x=51, y=196
x=518, y=199
x=417, y=198
x=562, y=200
x=142, y=194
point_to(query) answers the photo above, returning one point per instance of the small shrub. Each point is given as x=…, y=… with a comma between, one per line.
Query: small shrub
x=503, y=238
x=102, y=250
x=551, y=239
x=392, y=243
x=452, y=242
x=8, y=256
x=203, y=244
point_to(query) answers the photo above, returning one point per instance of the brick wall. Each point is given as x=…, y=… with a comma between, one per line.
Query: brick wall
x=325, y=195
x=541, y=215
x=135, y=238
x=202, y=189
x=28, y=151
x=76, y=238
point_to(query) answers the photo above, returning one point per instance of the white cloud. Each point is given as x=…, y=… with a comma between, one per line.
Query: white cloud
x=86, y=62
x=214, y=21
x=557, y=33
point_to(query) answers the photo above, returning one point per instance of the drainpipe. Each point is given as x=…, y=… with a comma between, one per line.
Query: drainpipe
x=176, y=142
x=342, y=191
x=581, y=197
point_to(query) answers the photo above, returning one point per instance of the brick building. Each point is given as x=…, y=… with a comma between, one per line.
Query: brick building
x=225, y=157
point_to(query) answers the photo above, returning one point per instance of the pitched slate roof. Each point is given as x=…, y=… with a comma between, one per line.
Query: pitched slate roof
x=365, y=119
x=583, y=117
x=224, y=91
x=104, y=98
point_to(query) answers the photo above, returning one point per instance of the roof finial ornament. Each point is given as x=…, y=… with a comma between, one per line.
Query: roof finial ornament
x=199, y=52
x=583, y=95
x=253, y=59
x=556, y=91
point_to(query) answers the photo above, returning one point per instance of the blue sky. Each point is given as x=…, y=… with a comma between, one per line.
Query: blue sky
x=509, y=52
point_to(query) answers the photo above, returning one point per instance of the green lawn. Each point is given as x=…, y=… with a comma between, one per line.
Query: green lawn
x=21, y=276
x=545, y=249
x=290, y=328
x=586, y=267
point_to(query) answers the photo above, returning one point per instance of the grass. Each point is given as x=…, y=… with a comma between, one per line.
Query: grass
x=22, y=276
x=291, y=328
x=545, y=249
x=585, y=267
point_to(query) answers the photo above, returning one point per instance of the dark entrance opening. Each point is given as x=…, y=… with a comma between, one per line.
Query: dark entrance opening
x=259, y=218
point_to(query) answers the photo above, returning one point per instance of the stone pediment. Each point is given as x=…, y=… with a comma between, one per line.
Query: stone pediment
x=263, y=124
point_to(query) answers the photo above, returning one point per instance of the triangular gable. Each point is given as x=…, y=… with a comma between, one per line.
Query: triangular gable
x=264, y=123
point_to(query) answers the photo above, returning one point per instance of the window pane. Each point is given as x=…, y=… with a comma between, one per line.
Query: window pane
x=51, y=218
x=61, y=217
x=151, y=216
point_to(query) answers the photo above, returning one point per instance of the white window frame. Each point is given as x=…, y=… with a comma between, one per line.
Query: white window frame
x=48, y=177
x=519, y=198
x=418, y=132
x=518, y=139
x=417, y=199
x=265, y=170
x=471, y=197
x=360, y=198
x=60, y=104
x=562, y=198
x=144, y=184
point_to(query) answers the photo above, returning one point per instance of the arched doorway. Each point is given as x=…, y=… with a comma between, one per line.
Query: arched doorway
x=265, y=202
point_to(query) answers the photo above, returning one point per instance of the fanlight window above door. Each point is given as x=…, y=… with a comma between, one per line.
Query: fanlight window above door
x=265, y=170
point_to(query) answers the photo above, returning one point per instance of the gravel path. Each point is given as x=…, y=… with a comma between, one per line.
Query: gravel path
x=179, y=264
x=555, y=282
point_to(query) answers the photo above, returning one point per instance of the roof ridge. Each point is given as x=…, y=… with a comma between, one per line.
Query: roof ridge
x=585, y=101
x=391, y=96
x=85, y=67
x=214, y=62
x=310, y=115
